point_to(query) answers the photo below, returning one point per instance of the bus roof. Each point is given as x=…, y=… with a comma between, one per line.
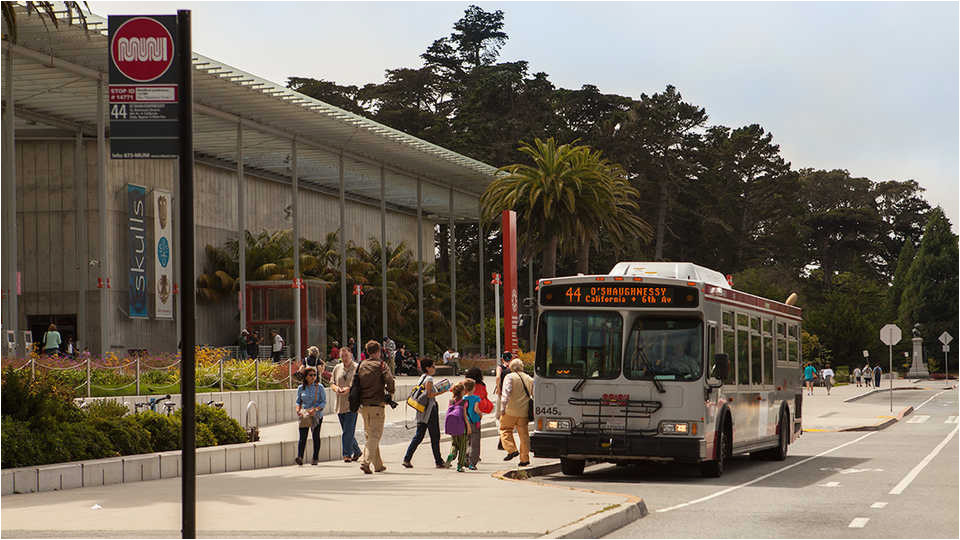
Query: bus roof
x=672, y=270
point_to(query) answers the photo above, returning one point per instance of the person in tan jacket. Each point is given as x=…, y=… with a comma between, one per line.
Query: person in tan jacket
x=375, y=382
x=516, y=395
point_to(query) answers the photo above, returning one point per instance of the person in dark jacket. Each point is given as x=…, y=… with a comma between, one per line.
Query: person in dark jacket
x=375, y=382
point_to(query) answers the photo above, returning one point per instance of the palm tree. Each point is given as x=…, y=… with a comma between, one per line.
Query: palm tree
x=568, y=196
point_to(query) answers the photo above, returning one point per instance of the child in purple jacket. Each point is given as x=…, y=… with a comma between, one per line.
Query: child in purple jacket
x=457, y=427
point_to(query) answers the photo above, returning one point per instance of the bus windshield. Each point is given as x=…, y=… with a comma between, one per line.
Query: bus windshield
x=665, y=349
x=579, y=345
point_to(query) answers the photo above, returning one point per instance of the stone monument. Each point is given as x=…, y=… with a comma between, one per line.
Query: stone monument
x=918, y=369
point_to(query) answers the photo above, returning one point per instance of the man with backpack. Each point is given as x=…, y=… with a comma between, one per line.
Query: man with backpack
x=375, y=381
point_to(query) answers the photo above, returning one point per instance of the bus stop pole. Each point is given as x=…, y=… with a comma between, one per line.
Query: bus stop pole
x=188, y=480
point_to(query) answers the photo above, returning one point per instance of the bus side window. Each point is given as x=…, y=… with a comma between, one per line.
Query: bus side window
x=711, y=348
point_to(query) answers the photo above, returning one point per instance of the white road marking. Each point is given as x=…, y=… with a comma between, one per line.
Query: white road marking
x=830, y=484
x=858, y=523
x=764, y=477
x=898, y=489
x=951, y=420
x=919, y=419
x=878, y=505
x=917, y=408
x=849, y=470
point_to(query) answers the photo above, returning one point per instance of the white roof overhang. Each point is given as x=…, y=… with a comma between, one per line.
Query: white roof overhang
x=57, y=70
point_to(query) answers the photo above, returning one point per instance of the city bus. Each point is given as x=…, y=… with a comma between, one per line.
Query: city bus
x=665, y=362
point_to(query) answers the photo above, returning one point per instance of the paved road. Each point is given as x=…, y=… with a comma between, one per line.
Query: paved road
x=901, y=482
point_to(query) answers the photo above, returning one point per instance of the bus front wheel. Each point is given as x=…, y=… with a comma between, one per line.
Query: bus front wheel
x=714, y=468
x=572, y=467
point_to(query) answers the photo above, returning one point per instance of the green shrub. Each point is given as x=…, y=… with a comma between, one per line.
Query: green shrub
x=18, y=447
x=205, y=437
x=164, y=430
x=126, y=435
x=43, y=402
x=76, y=442
x=224, y=428
x=107, y=408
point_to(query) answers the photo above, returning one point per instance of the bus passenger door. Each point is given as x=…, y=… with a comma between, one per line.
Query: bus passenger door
x=712, y=395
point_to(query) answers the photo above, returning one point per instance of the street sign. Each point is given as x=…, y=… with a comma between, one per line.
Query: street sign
x=945, y=338
x=144, y=94
x=946, y=348
x=890, y=334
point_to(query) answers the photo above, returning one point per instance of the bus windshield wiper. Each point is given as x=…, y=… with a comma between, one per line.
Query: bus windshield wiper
x=646, y=367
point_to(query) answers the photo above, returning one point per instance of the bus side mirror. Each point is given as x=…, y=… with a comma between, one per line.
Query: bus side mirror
x=721, y=366
x=523, y=323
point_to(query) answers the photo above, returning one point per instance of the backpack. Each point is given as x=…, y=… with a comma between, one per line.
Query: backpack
x=485, y=406
x=455, y=422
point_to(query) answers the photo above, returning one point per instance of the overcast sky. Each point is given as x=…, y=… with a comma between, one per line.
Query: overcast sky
x=871, y=87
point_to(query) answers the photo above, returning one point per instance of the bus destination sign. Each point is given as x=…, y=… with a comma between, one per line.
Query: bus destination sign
x=629, y=295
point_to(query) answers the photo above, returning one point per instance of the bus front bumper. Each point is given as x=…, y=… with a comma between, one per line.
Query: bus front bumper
x=617, y=447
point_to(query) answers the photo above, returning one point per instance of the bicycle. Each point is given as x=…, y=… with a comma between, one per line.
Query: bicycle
x=153, y=402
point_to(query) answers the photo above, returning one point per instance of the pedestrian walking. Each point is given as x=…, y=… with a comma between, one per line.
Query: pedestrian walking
x=809, y=373
x=856, y=376
x=375, y=382
x=340, y=383
x=827, y=375
x=428, y=420
x=474, y=416
x=867, y=374
x=877, y=371
x=503, y=368
x=517, y=398
x=252, y=344
x=311, y=400
x=458, y=427
x=277, y=349
x=71, y=347
x=51, y=341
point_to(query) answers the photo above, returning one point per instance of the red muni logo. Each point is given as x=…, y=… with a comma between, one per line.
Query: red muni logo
x=142, y=49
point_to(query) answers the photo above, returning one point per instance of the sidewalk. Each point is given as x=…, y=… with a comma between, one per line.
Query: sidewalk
x=845, y=409
x=333, y=499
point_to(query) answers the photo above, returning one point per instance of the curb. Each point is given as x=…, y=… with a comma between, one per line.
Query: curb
x=596, y=525
x=865, y=394
x=882, y=425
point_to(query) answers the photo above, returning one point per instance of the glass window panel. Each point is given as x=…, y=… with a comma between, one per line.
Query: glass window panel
x=756, y=366
x=280, y=304
x=741, y=320
x=669, y=349
x=792, y=352
x=728, y=318
x=711, y=349
x=767, y=360
x=743, y=357
x=767, y=326
x=575, y=345
x=781, y=345
x=729, y=347
x=755, y=324
x=781, y=329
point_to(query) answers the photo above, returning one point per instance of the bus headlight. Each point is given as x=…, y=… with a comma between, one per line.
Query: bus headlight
x=678, y=428
x=557, y=424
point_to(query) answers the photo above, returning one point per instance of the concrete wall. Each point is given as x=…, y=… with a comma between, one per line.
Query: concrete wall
x=54, y=255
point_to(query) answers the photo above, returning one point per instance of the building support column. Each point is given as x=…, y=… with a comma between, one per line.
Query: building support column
x=297, y=319
x=483, y=287
x=420, y=351
x=104, y=266
x=241, y=230
x=11, y=311
x=383, y=248
x=453, y=275
x=81, y=254
x=344, y=338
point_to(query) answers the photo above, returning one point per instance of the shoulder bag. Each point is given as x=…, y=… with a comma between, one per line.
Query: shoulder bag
x=418, y=396
x=529, y=397
x=354, y=397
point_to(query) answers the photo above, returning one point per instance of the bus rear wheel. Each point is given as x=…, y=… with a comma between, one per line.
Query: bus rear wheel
x=572, y=467
x=779, y=452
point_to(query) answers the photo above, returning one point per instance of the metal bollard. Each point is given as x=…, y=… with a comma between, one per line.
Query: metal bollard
x=33, y=369
x=256, y=365
x=138, y=375
x=88, y=376
x=221, y=374
x=290, y=373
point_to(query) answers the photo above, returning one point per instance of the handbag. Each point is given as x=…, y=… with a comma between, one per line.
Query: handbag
x=418, y=396
x=354, y=397
x=529, y=397
x=306, y=420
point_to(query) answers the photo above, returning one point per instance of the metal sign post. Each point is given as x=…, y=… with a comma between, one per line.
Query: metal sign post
x=358, y=292
x=496, y=310
x=946, y=338
x=890, y=335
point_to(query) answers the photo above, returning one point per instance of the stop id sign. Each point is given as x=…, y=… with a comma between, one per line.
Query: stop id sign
x=142, y=49
x=890, y=335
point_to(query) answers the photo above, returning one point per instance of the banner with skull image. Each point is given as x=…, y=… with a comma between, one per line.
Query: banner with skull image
x=163, y=235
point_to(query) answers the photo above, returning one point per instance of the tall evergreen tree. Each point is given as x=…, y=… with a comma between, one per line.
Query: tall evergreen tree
x=895, y=292
x=933, y=281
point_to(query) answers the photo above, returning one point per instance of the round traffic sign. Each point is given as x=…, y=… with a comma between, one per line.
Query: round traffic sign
x=142, y=49
x=890, y=334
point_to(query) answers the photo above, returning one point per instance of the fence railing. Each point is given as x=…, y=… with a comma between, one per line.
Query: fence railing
x=94, y=377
